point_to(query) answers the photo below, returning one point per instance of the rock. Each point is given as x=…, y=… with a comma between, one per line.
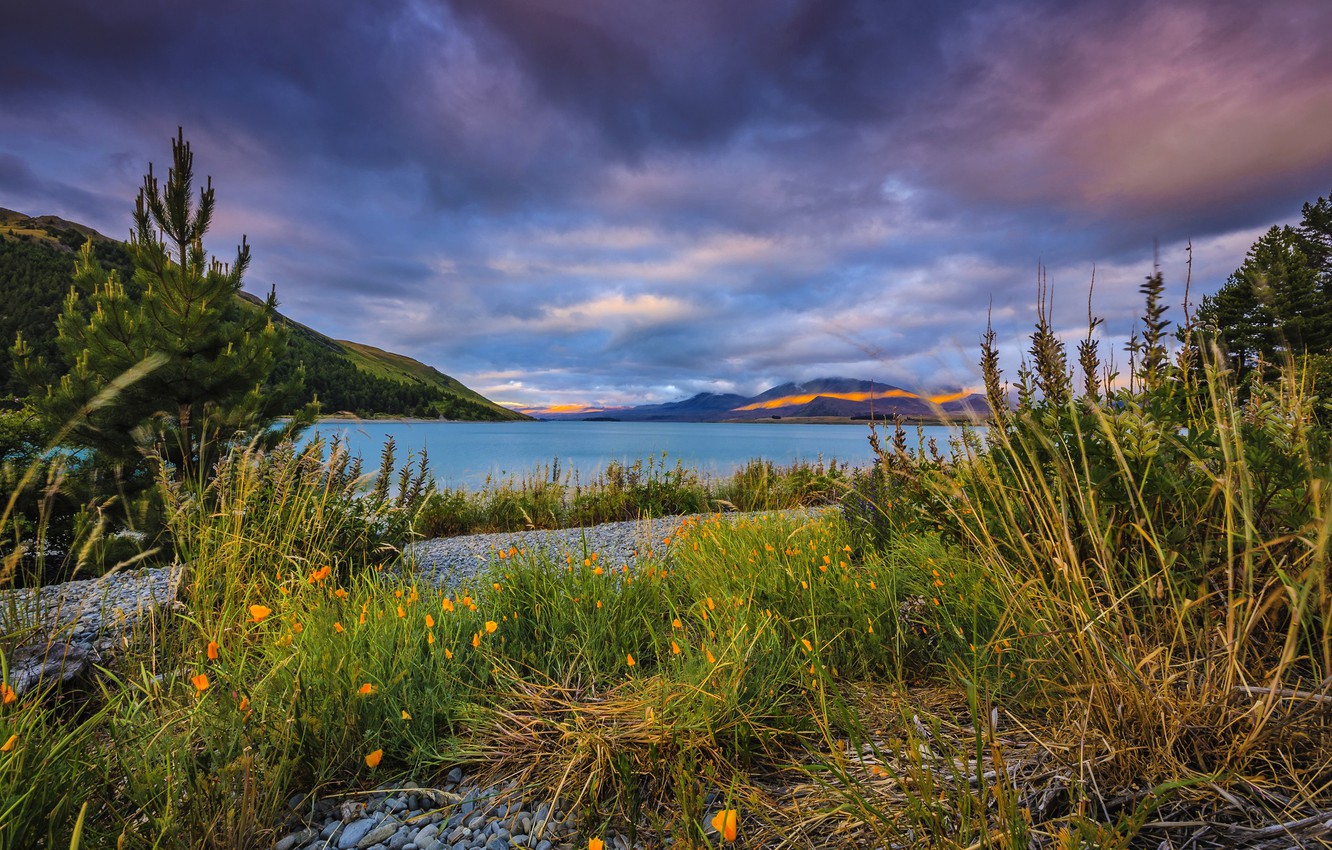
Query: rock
x=376, y=834
x=354, y=832
x=455, y=776
x=426, y=834
x=330, y=829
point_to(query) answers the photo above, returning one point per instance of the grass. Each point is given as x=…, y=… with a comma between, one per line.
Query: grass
x=1107, y=626
x=551, y=498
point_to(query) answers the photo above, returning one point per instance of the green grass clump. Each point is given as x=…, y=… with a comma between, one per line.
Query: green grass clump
x=549, y=498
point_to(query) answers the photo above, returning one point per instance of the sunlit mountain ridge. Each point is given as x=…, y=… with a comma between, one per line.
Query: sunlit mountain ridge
x=823, y=399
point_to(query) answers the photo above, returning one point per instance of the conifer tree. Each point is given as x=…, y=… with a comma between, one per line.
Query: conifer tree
x=185, y=360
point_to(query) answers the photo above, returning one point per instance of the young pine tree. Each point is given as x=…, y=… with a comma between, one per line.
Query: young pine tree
x=179, y=363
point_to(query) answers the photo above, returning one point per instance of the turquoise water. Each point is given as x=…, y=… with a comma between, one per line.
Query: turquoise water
x=467, y=453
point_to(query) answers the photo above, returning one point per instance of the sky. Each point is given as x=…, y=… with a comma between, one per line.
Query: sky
x=607, y=202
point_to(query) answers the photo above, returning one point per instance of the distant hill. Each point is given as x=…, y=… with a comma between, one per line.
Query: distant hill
x=823, y=399
x=36, y=265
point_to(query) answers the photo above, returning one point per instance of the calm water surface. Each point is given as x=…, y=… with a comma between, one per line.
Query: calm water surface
x=467, y=453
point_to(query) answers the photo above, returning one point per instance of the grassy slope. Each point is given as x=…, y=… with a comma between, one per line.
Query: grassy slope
x=65, y=237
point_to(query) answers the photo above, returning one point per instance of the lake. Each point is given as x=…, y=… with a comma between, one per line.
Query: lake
x=465, y=454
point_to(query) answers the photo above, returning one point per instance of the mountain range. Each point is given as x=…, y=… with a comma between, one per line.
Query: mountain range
x=36, y=266
x=822, y=399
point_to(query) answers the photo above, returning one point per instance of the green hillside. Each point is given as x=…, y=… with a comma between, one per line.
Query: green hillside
x=36, y=264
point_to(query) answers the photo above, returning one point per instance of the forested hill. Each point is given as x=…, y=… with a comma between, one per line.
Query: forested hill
x=36, y=266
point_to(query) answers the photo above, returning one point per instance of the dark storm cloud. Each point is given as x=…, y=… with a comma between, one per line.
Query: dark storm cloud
x=599, y=200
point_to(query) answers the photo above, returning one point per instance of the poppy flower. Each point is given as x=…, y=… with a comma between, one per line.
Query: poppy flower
x=629, y=657
x=405, y=715
x=726, y=823
x=429, y=621
x=596, y=844
x=212, y=650
x=10, y=744
x=337, y=627
x=366, y=689
x=200, y=682
x=675, y=648
x=258, y=612
x=491, y=625
x=372, y=759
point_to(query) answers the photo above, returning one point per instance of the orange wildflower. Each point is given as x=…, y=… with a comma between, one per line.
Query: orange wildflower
x=629, y=657
x=491, y=625
x=200, y=682
x=212, y=650
x=726, y=823
x=372, y=759
x=401, y=613
x=7, y=694
x=711, y=658
x=337, y=627
x=446, y=605
x=405, y=715
x=10, y=744
x=675, y=648
x=429, y=621
x=366, y=689
x=476, y=640
x=258, y=612
x=596, y=844
x=448, y=653
x=320, y=574
x=340, y=593
x=430, y=637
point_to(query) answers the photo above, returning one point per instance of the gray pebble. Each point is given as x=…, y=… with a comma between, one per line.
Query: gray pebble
x=455, y=776
x=330, y=829
x=544, y=844
x=355, y=831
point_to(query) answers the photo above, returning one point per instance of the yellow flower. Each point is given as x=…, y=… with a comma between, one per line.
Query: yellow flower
x=297, y=628
x=401, y=613
x=337, y=627
x=676, y=624
x=630, y=658
x=372, y=759
x=448, y=653
x=405, y=715
x=446, y=605
x=10, y=744
x=712, y=606
x=476, y=640
x=711, y=659
x=596, y=844
x=258, y=612
x=726, y=823
x=340, y=593
x=212, y=650
x=809, y=647
x=429, y=621
x=430, y=637
x=675, y=648
x=491, y=625
x=596, y=571
x=320, y=574
x=200, y=682
x=7, y=694
x=366, y=689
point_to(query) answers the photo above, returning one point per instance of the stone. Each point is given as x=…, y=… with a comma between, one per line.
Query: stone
x=354, y=832
x=330, y=829
x=544, y=844
x=455, y=776
x=377, y=834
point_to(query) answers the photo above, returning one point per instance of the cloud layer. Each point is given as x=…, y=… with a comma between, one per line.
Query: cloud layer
x=598, y=202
